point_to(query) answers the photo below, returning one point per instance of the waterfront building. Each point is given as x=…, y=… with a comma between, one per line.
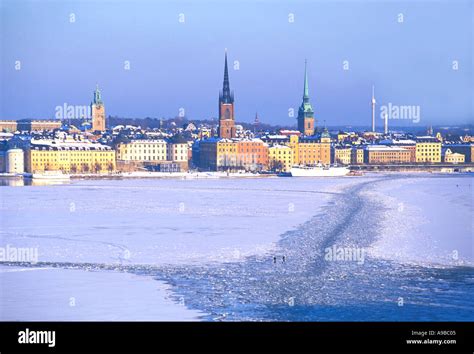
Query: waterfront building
x=357, y=156
x=178, y=152
x=305, y=118
x=252, y=154
x=453, y=157
x=280, y=158
x=311, y=150
x=226, y=107
x=153, y=154
x=342, y=155
x=306, y=150
x=466, y=149
x=142, y=150
x=206, y=156
x=98, y=112
x=216, y=154
x=14, y=161
x=383, y=154
x=428, y=150
x=69, y=156
x=407, y=144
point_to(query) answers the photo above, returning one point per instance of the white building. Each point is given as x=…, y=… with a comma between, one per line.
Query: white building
x=15, y=161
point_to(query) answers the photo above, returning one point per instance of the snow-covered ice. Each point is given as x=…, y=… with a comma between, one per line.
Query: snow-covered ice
x=428, y=220
x=52, y=294
x=424, y=220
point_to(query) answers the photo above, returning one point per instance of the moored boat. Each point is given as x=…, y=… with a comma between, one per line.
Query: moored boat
x=50, y=175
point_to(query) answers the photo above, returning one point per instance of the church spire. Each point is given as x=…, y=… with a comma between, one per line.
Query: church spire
x=306, y=89
x=226, y=95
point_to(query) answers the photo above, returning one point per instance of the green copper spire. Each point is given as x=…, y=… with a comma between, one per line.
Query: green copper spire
x=306, y=105
x=306, y=90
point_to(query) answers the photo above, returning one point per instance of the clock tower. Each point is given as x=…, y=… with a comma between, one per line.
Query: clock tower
x=226, y=107
x=98, y=112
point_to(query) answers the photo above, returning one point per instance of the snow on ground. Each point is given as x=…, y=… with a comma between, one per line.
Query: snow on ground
x=428, y=220
x=53, y=294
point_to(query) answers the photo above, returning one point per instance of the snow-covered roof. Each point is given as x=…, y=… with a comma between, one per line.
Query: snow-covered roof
x=385, y=148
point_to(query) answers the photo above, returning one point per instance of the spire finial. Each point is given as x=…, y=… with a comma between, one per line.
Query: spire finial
x=306, y=89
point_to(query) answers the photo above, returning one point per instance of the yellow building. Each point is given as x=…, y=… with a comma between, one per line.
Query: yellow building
x=309, y=151
x=142, y=150
x=357, y=156
x=428, y=150
x=69, y=157
x=453, y=157
x=280, y=158
x=343, y=155
x=226, y=155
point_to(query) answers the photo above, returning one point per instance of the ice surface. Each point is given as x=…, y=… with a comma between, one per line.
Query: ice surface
x=51, y=294
x=159, y=221
x=427, y=220
x=424, y=219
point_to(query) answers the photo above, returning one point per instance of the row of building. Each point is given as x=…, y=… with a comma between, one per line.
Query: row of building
x=279, y=152
x=76, y=155
x=423, y=150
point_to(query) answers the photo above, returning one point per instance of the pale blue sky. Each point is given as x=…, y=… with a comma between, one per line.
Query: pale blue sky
x=180, y=65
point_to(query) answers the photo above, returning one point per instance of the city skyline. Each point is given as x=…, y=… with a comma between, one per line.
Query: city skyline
x=266, y=79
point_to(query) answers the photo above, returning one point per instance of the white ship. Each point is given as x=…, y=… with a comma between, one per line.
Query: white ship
x=51, y=175
x=319, y=171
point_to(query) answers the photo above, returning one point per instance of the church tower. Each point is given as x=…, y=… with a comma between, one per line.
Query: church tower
x=98, y=112
x=226, y=107
x=305, y=112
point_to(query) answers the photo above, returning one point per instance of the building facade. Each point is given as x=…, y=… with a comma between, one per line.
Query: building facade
x=69, y=157
x=14, y=161
x=357, y=156
x=310, y=151
x=453, y=157
x=143, y=150
x=38, y=125
x=382, y=154
x=343, y=155
x=428, y=150
x=8, y=126
x=280, y=158
x=466, y=149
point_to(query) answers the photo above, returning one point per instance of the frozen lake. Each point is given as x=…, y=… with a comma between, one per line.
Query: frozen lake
x=213, y=249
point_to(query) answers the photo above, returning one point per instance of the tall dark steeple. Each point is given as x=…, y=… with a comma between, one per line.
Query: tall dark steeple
x=226, y=107
x=226, y=96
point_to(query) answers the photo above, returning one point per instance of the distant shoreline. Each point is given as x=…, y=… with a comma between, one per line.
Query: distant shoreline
x=356, y=169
